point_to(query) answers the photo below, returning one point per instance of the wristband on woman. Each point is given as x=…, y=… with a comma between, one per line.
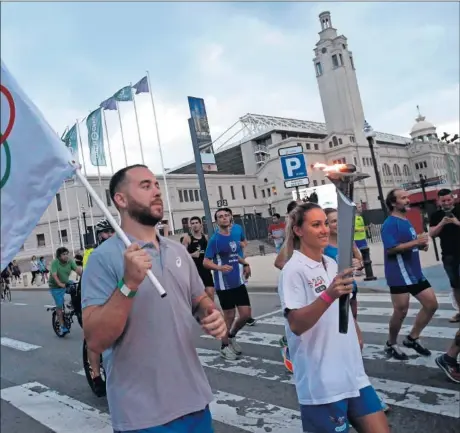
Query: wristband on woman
x=326, y=298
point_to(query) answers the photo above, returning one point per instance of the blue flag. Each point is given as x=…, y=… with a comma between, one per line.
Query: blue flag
x=96, y=138
x=142, y=86
x=109, y=104
x=125, y=94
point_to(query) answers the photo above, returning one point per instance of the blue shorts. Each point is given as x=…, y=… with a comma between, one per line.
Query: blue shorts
x=58, y=296
x=361, y=244
x=334, y=417
x=197, y=422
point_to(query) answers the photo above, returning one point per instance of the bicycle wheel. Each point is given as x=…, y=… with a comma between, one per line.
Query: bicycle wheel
x=8, y=294
x=89, y=370
x=56, y=325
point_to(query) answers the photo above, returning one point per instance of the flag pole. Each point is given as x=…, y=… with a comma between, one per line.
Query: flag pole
x=51, y=233
x=113, y=223
x=137, y=123
x=122, y=133
x=108, y=141
x=161, y=155
x=68, y=217
x=97, y=161
x=58, y=220
x=84, y=168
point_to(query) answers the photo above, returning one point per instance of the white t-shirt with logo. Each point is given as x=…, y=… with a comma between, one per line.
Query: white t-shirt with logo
x=328, y=366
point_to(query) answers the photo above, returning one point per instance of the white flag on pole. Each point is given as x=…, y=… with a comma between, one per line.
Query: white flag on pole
x=34, y=163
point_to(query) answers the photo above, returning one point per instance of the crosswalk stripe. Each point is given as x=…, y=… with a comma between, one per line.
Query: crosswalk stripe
x=445, y=402
x=380, y=328
x=60, y=413
x=385, y=297
x=253, y=415
x=18, y=345
x=412, y=312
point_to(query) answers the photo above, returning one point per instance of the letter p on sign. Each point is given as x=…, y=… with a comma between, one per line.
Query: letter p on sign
x=292, y=164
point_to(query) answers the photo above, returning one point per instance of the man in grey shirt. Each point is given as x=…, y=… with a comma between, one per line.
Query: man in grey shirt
x=154, y=376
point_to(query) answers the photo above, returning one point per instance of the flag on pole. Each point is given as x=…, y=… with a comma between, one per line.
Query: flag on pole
x=142, y=86
x=109, y=104
x=125, y=94
x=29, y=147
x=70, y=139
x=96, y=138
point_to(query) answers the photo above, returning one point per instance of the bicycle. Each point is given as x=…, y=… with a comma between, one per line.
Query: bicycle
x=5, y=289
x=89, y=370
x=68, y=311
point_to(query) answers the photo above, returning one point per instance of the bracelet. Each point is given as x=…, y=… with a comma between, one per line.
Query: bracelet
x=326, y=298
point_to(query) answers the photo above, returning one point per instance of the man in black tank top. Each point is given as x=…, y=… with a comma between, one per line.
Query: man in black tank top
x=196, y=244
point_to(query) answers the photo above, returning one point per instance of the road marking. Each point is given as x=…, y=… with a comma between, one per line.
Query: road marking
x=18, y=303
x=253, y=415
x=60, y=413
x=381, y=328
x=371, y=352
x=407, y=395
x=268, y=314
x=387, y=312
x=385, y=297
x=81, y=372
x=18, y=345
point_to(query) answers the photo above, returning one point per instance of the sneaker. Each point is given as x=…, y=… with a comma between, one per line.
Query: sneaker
x=235, y=346
x=395, y=352
x=251, y=322
x=416, y=345
x=227, y=353
x=452, y=371
x=283, y=341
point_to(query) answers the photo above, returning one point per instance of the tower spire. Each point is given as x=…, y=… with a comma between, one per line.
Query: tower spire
x=419, y=118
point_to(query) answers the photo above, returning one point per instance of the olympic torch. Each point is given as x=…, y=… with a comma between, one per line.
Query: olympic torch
x=343, y=176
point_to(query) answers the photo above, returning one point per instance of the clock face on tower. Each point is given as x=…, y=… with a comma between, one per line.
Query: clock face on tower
x=324, y=51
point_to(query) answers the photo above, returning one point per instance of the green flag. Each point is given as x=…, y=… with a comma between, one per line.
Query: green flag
x=96, y=138
x=125, y=94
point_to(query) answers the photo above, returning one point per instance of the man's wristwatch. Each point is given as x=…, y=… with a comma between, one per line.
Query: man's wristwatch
x=125, y=290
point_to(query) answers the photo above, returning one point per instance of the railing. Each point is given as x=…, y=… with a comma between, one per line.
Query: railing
x=373, y=232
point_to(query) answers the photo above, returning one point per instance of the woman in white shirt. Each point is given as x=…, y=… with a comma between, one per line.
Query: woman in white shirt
x=332, y=386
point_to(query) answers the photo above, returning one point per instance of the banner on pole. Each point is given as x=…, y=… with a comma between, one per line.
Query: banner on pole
x=204, y=140
x=96, y=138
x=29, y=147
x=70, y=139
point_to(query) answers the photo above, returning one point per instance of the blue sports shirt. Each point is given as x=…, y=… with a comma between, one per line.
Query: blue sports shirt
x=403, y=269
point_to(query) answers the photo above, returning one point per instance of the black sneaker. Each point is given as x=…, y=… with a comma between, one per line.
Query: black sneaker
x=416, y=345
x=99, y=386
x=452, y=371
x=251, y=322
x=395, y=352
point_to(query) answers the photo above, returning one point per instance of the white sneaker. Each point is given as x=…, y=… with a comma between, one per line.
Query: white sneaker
x=235, y=346
x=228, y=353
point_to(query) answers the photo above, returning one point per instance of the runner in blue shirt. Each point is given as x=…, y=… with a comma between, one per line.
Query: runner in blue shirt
x=404, y=275
x=223, y=258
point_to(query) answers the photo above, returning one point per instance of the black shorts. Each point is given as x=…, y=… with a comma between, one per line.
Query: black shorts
x=452, y=268
x=206, y=277
x=231, y=298
x=413, y=289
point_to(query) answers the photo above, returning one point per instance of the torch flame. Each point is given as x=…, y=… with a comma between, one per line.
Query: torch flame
x=328, y=168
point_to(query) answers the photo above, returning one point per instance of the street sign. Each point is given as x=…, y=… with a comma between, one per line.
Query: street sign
x=431, y=181
x=297, y=182
x=290, y=150
x=222, y=203
x=294, y=166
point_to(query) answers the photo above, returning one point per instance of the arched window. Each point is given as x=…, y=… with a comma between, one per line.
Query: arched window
x=334, y=140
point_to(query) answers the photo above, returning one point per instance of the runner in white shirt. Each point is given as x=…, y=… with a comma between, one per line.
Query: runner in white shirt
x=332, y=386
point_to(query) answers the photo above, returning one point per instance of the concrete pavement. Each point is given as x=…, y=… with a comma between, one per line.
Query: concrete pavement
x=43, y=390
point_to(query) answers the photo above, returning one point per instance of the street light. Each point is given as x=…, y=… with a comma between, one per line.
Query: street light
x=369, y=133
x=270, y=209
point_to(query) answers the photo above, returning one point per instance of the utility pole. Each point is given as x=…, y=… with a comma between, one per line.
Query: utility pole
x=201, y=179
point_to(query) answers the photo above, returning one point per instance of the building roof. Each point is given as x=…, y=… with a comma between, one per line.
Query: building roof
x=257, y=125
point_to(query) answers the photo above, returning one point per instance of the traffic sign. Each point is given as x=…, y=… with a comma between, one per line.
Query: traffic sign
x=222, y=203
x=294, y=166
x=305, y=181
x=431, y=181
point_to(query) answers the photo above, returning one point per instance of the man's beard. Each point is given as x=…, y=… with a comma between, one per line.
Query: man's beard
x=142, y=214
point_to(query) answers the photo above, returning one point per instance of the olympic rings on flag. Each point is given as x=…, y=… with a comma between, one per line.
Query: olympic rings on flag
x=6, y=134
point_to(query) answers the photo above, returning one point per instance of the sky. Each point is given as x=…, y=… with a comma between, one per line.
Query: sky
x=240, y=57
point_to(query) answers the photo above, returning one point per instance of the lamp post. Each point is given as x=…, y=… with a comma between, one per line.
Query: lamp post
x=369, y=133
x=270, y=209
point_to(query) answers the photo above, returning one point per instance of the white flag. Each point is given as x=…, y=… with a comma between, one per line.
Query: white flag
x=34, y=163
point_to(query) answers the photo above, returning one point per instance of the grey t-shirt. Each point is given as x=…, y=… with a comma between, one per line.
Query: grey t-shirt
x=153, y=372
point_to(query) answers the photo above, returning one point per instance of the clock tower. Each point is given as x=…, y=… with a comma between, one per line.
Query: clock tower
x=337, y=82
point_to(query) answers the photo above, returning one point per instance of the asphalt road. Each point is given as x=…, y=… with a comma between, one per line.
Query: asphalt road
x=43, y=391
